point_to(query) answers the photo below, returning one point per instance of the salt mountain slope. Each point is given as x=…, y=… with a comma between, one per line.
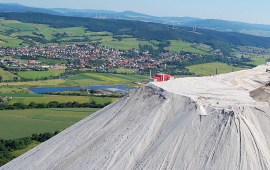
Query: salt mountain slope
x=190, y=123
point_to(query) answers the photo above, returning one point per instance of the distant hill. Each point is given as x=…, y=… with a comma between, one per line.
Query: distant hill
x=230, y=26
x=214, y=24
x=13, y=7
x=145, y=30
x=129, y=15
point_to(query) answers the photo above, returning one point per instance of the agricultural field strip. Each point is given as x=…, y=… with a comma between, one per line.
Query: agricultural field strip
x=184, y=46
x=32, y=118
x=39, y=74
x=61, y=99
x=6, y=75
x=210, y=68
x=21, y=123
x=29, y=115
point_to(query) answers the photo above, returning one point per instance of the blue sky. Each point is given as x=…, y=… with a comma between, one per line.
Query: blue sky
x=251, y=11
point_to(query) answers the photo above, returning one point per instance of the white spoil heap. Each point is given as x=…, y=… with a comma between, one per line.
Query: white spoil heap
x=190, y=123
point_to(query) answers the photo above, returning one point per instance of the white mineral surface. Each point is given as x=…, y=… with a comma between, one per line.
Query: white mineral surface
x=188, y=123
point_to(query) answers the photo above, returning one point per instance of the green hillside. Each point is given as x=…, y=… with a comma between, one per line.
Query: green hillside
x=62, y=29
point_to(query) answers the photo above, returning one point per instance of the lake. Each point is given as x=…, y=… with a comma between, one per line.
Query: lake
x=120, y=88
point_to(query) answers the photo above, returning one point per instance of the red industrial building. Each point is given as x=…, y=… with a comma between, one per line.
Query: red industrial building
x=158, y=77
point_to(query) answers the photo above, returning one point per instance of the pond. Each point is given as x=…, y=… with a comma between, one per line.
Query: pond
x=120, y=88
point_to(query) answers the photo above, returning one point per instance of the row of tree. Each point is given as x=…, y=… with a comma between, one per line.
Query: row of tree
x=10, y=145
x=53, y=104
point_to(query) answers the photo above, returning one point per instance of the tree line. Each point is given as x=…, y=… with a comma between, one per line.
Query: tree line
x=53, y=104
x=10, y=145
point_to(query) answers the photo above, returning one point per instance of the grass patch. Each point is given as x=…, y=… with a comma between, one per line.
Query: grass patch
x=10, y=41
x=179, y=46
x=22, y=123
x=39, y=74
x=124, y=44
x=258, y=59
x=12, y=90
x=210, y=68
x=83, y=76
x=84, y=79
x=92, y=79
x=105, y=33
x=21, y=95
x=20, y=26
x=22, y=151
x=6, y=75
x=125, y=70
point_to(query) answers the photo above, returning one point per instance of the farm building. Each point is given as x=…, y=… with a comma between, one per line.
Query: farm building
x=158, y=77
x=33, y=62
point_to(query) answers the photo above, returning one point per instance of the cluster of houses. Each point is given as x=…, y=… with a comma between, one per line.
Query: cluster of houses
x=247, y=50
x=18, y=63
x=93, y=56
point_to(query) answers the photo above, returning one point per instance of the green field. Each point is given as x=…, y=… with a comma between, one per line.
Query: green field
x=21, y=94
x=39, y=74
x=84, y=79
x=92, y=79
x=5, y=89
x=10, y=41
x=22, y=151
x=22, y=123
x=89, y=33
x=179, y=46
x=210, y=68
x=6, y=75
x=124, y=44
x=257, y=59
x=51, y=61
x=3, y=27
x=125, y=70
x=20, y=26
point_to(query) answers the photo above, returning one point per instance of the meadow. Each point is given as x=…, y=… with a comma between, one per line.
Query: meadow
x=5, y=89
x=22, y=123
x=210, y=68
x=22, y=151
x=179, y=46
x=8, y=41
x=6, y=75
x=125, y=70
x=258, y=59
x=40, y=74
x=14, y=94
x=92, y=79
x=83, y=79
x=124, y=44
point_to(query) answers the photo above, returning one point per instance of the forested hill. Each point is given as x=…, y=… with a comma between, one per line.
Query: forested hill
x=145, y=30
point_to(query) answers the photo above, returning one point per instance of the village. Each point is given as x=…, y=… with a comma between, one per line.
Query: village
x=91, y=56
